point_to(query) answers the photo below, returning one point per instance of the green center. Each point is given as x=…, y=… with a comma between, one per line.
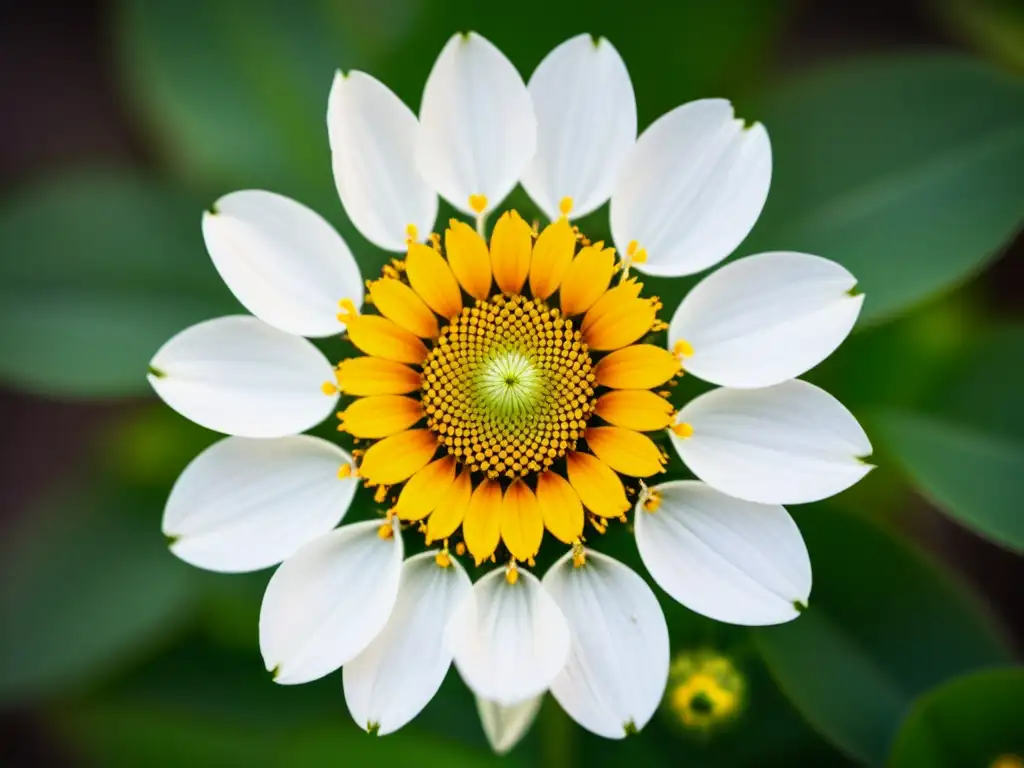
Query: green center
x=509, y=385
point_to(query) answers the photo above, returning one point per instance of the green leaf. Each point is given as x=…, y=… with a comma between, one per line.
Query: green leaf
x=993, y=27
x=884, y=625
x=88, y=585
x=973, y=720
x=978, y=479
x=905, y=169
x=201, y=706
x=101, y=269
x=965, y=451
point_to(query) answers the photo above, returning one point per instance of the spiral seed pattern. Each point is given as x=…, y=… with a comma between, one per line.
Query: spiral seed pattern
x=508, y=388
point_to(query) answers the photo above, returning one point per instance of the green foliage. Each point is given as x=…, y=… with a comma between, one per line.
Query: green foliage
x=100, y=269
x=884, y=625
x=905, y=169
x=966, y=453
x=972, y=720
x=87, y=584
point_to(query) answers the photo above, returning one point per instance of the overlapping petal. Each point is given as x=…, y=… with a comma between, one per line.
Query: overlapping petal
x=245, y=504
x=691, y=188
x=240, y=376
x=586, y=124
x=509, y=639
x=788, y=444
x=373, y=153
x=766, y=318
x=477, y=127
x=731, y=560
x=326, y=602
x=390, y=682
x=618, y=664
x=282, y=260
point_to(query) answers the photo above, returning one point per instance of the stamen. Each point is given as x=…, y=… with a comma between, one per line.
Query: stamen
x=411, y=234
x=511, y=572
x=682, y=429
x=478, y=203
x=386, y=531
x=682, y=348
x=579, y=554
x=443, y=559
x=344, y=471
x=348, y=311
x=329, y=388
x=649, y=499
x=565, y=206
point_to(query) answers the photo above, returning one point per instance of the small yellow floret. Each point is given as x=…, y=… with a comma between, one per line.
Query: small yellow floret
x=385, y=531
x=512, y=573
x=329, y=388
x=345, y=470
x=443, y=559
x=565, y=206
x=412, y=234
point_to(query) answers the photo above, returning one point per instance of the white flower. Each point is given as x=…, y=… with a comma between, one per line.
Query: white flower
x=520, y=410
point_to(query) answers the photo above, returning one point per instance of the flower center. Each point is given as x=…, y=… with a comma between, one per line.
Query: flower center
x=508, y=388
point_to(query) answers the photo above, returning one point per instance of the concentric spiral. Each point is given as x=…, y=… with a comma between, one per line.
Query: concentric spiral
x=508, y=388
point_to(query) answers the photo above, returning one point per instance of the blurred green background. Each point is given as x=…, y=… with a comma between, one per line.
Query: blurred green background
x=898, y=138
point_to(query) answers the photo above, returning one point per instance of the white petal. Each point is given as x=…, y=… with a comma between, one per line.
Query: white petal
x=373, y=151
x=692, y=188
x=391, y=682
x=240, y=376
x=788, y=444
x=328, y=601
x=727, y=559
x=618, y=665
x=283, y=262
x=766, y=318
x=505, y=726
x=245, y=504
x=586, y=124
x=477, y=128
x=509, y=640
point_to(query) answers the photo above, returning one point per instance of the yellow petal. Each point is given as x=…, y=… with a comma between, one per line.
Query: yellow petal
x=380, y=416
x=640, y=366
x=618, y=329
x=468, y=257
x=598, y=487
x=522, y=526
x=398, y=457
x=560, y=507
x=611, y=302
x=380, y=337
x=376, y=376
x=420, y=496
x=481, y=527
x=400, y=303
x=636, y=409
x=450, y=510
x=431, y=278
x=587, y=279
x=511, y=244
x=626, y=451
x=552, y=255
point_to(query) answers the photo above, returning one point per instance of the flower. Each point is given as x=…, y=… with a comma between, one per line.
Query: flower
x=505, y=390
x=705, y=690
